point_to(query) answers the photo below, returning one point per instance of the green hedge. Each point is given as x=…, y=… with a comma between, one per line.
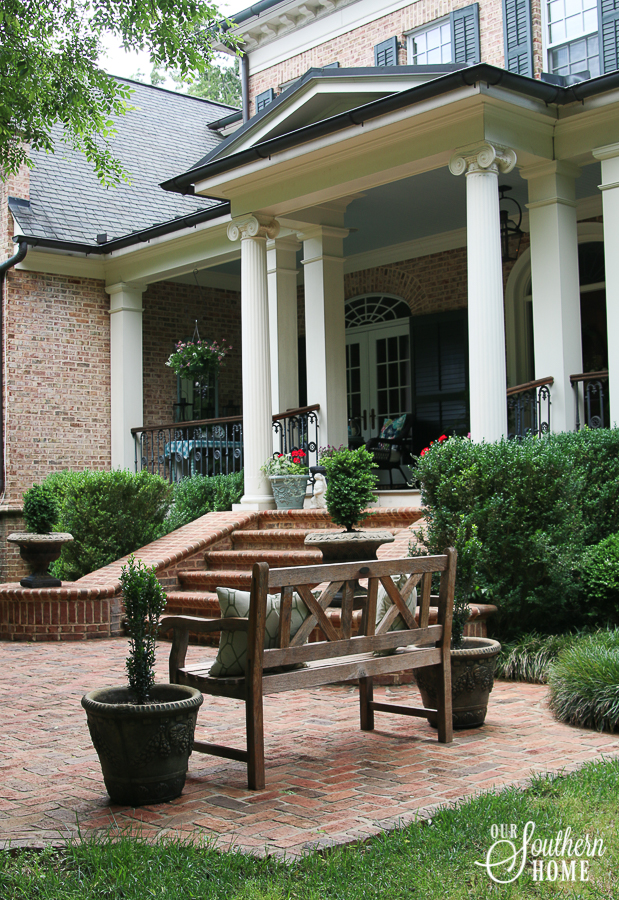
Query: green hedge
x=112, y=514
x=109, y=514
x=535, y=508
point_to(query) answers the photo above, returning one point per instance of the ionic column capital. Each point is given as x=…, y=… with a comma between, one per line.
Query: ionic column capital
x=484, y=157
x=253, y=227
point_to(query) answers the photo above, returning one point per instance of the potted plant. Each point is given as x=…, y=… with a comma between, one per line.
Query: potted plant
x=143, y=732
x=39, y=546
x=350, y=487
x=473, y=659
x=198, y=360
x=287, y=473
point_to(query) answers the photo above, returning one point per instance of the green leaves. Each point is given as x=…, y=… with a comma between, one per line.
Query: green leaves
x=144, y=602
x=49, y=73
x=351, y=483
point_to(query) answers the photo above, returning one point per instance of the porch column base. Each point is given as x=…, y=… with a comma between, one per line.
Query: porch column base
x=253, y=504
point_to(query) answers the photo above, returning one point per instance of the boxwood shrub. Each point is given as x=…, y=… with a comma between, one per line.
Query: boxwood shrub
x=199, y=495
x=535, y=507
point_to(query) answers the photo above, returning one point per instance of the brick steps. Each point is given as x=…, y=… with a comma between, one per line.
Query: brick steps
x=284, y=538
x=240, y=559
x=205, y=580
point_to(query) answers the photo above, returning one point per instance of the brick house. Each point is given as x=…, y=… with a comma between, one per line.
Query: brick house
x=343, y=231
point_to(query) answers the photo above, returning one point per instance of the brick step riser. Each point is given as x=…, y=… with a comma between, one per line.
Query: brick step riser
x=317, y=520
x=208, y=581
x=244, y=559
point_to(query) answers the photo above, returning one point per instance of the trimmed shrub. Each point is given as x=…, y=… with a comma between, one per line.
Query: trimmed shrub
x=599, y=572
x=199, y=495
x=144, y=602
x=536, y=505
x=584, y=682
x=109, y=514
x=529, y=658
x=350, y=485
x=41, y=509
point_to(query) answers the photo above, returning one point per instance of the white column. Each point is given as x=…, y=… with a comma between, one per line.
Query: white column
x=487, y=373
x=257, y=417
x=554, y=279
x=610, y=206
x=127, y=407
x=283, y=322
x=325, y=340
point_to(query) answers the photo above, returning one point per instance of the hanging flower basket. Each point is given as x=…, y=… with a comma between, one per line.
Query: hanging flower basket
x=198, y=360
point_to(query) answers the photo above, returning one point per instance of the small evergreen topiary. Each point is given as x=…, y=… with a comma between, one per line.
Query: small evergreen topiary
x=41, y=509
x=599, y=573
x=584, y=682
x=144, y=601
x=350, y=485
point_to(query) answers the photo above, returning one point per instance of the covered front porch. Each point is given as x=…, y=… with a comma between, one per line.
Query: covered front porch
x=372, y=279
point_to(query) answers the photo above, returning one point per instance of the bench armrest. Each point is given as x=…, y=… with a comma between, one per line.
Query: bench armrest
x=182, y=625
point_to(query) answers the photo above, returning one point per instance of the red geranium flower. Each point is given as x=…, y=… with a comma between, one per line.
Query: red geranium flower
x=442, y=438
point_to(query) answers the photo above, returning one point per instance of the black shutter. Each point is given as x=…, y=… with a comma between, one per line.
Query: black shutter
x=386, y=53
x=465, y=35
x=608, y=24
x=264, y=99
x=518, y=42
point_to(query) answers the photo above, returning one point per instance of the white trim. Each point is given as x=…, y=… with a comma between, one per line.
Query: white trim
x=382, y=256
x=54, y=263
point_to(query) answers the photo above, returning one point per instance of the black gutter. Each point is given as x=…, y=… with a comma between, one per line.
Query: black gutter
x=138, y=237
x=491, y=75
x=226, y=120
x=4, y=267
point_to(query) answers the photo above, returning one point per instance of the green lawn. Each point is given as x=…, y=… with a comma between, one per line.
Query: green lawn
x=427, y=860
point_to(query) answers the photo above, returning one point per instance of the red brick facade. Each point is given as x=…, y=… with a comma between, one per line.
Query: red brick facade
x=356, y=48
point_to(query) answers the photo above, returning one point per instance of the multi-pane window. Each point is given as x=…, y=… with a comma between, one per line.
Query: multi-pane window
x=431, y=45
x=573, y=44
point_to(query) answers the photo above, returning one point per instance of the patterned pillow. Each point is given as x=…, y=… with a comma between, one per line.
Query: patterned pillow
x=384, y=604
x=392, y=428
x=231, y=657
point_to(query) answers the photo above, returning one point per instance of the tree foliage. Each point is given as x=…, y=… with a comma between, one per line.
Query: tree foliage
x=220, y=82
x=50, y=77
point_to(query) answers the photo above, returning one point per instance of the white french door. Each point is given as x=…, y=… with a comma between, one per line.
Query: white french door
x=378, y=379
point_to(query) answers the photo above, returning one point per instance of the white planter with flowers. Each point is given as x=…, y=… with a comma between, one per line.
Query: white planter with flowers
x=288, y=475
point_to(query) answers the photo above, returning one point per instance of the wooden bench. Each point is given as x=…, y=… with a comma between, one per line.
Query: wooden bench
x=340, y=657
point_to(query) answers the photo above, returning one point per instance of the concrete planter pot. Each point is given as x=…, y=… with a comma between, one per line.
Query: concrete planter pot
x=472, y=680
x=39, y=551
x=289, y=490
x=347, y=546
x=143, y=750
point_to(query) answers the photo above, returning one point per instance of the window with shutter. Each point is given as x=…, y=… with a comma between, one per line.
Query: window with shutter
x=572, y=37
x=264, y=99
x=386, y=53
x=609, y=34
x=465, y=32
x=517, y=32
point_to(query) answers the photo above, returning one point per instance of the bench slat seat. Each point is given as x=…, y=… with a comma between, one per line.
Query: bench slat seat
x=295, y=665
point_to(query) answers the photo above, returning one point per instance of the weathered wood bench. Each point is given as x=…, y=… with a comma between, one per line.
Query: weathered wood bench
x=340, y=657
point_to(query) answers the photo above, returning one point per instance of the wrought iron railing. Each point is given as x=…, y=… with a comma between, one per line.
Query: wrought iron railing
x=592, y=402
x=298, y=429
x=181, y=449
x=528, y=408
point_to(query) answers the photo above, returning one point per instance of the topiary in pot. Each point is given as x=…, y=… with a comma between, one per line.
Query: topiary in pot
x=39, y=545
x=351, y=482
x=143, y=732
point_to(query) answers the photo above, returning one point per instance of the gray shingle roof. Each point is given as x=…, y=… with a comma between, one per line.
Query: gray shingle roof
x=165, y=134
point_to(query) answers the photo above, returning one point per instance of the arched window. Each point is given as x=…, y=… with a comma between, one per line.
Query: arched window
x=372, y=309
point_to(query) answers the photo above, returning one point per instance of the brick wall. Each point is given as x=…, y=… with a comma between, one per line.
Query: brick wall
x=170, y=312
x=356, y=48
x=57, y=371
x=14, y=186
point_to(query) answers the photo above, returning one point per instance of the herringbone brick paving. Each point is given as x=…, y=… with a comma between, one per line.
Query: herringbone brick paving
x=327, y=782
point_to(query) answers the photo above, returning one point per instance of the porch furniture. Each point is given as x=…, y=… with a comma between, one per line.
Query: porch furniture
x=338, y=658
x=393, y=452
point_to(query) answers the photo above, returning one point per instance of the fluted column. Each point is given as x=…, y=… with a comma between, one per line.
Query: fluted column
x=487, y=375
x=126, y=370
x=609, y=155
x=253, y=232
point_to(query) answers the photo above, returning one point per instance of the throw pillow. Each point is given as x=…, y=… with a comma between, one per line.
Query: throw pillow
x=385, y=431
x=384, y=604
x=231, y=657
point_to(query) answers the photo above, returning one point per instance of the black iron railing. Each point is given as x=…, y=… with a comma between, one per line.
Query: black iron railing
x=528, y=408
x=182, y=449
x=591, y=397
x=298, y=429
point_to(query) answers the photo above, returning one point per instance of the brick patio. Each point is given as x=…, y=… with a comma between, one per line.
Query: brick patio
x=327, y=782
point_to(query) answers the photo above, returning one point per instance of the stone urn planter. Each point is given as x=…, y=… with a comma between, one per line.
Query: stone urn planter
x=472, y=680
x=347, y=546
x=289, y=490
x=39, y=551
x=143, y=749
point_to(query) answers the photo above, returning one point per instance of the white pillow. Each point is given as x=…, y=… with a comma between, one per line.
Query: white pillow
x=231, y=657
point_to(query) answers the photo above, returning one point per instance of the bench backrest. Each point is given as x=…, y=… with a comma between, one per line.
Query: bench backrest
x=333, y=578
